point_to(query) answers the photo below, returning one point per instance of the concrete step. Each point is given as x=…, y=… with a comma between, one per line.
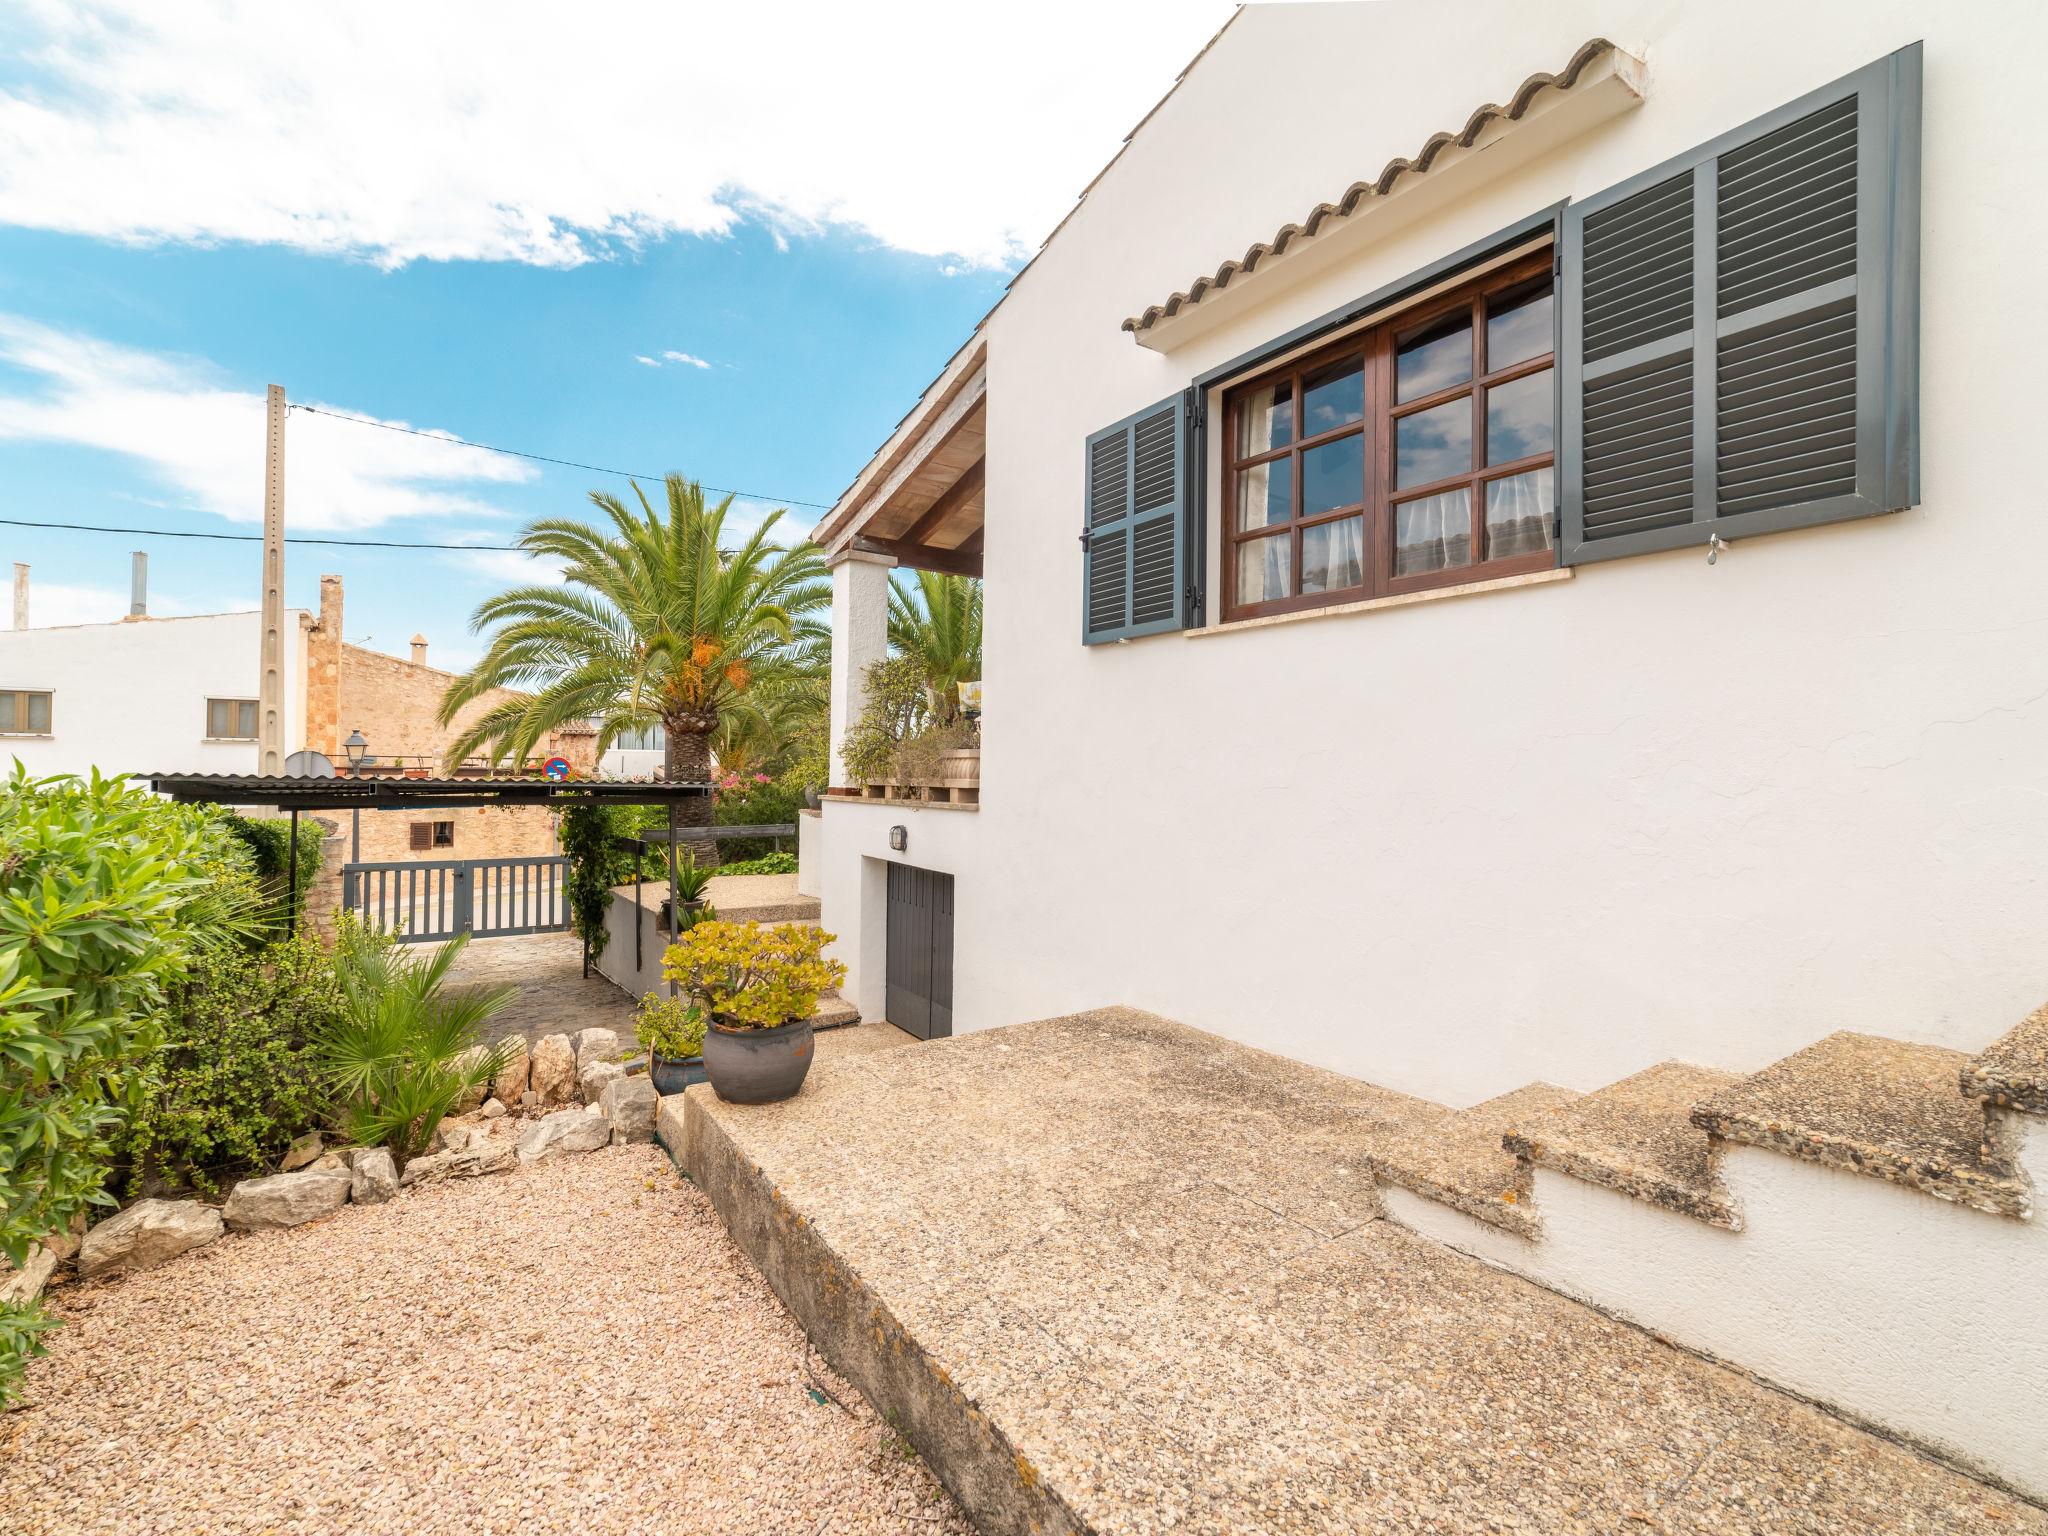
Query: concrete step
x=1637, y=1137
x=1887, y=1109
x=2012, y=1072
x=1456, y=1157
x=834, y=1012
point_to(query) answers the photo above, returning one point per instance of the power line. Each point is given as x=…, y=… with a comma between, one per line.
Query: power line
x=542, y=458
x=248, y=538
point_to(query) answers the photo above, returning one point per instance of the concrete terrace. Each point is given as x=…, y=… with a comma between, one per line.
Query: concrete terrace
x=1118, y=1276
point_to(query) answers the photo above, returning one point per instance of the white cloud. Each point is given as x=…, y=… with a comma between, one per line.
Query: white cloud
x=401, y=131
x=204, y=439
x=53, y=604
x=645, y=360
x=510, y=567
x=684, y=357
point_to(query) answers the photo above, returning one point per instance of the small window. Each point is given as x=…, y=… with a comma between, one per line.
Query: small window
x=444, y=834
x=1420, y=454
x=231, y=719
x=24, y=713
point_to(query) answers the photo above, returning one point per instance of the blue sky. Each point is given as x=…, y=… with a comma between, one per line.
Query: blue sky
x=567, y=246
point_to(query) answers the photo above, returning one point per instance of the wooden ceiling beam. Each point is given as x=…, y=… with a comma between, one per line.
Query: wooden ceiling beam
x=949, y=502
x=921, y=557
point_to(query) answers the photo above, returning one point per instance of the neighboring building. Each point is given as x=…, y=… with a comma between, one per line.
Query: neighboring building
x=1510, y=641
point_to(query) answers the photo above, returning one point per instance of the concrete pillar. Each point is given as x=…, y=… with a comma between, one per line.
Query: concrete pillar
x=20, y=595
x=860, y=637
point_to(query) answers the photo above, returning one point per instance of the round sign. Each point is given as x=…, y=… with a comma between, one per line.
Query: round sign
x=556, y=767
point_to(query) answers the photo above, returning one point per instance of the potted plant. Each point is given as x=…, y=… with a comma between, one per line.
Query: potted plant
x=691, y=883
x=672, y=1029
x=759, y=990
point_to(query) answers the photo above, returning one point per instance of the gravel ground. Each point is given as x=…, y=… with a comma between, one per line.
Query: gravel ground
x=576, y=1346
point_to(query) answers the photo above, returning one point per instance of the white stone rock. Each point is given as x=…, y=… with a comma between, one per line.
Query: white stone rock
x=148, y=1233
x=472, y=1162
x=493, y=1109
x=303, y=1150
x=285, y=1200
x=553, y=1073
x=592, y=1077
x=563, y=1132
x=375, y=1179
x=510, y=1082
x=472, y=1098
x=629, y=1103
x=595, y=1044
x=451, y=1136
x=24, y=1285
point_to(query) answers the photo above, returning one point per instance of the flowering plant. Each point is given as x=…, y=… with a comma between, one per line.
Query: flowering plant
x=750, y=977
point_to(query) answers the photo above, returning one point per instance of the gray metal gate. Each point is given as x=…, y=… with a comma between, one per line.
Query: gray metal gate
x=421, y=901
x=919, y=975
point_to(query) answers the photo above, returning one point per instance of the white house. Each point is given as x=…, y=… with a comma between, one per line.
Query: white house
x=1512, y=556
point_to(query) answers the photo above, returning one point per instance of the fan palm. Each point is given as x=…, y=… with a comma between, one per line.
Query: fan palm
x=937, y=623
x=655, y=621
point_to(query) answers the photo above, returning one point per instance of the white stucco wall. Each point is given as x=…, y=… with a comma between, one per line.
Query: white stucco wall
x=1661, y=810
x=130, y=697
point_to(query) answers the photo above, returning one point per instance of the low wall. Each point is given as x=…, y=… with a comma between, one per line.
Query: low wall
x=638, y=974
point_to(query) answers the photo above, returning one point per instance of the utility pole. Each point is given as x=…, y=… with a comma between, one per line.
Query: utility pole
x=270, y=745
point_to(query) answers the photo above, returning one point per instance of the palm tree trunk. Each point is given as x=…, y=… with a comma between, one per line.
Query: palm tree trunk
x=688, y=761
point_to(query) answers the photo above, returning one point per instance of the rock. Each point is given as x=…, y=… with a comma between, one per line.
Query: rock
x=285, y=1200
x=64, y=1244
x=510, y=1082
x=596, y=1044
x=303, y=1150
x=24, y=1285
x=350, y=1156
x=553, y=1073
x=469, y=1060
x=148, y=1233
x=529, y=1101
x=472, y=1162
x=451, y=1136
x=563, y=1132
x=331, y=1162
x=493, y=1108
x=629, y=1103
x=592, y=1077
x=375, y=1179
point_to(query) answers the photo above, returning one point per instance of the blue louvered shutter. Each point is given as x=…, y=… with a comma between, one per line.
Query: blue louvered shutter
x=1134, y=564
x=1741, y=329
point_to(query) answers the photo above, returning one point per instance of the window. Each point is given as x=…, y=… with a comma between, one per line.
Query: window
x=444, y=834
x=1412, y=455
x=231, y=719
x=425, y=835
x=641, y=738
x=24, y=713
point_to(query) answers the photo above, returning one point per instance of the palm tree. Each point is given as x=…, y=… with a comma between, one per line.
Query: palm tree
x=937, y=623
x=767, y=727
x=654, y=621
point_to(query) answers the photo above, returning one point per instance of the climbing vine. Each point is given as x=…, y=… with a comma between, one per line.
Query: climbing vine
x=590, y=835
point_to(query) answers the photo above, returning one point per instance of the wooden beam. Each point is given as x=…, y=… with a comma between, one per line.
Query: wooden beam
x=971, y=545
x=920, y=557
x=948, y=503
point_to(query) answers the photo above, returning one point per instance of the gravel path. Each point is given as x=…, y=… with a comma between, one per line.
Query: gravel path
x=576, y=1346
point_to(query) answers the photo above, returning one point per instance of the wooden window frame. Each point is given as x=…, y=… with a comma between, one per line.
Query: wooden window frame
x=213, y=699
x=17, y=723
x=1377, y=345
x=440, y=841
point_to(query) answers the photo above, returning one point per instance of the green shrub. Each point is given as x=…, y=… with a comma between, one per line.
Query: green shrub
x=590, y=837
x=269, y=841
x=671, y=1027
x=21, y=1330
x=398, y=1055
x=895, y=708
x=236, y=1079
x=758, y=801
x=767, y=864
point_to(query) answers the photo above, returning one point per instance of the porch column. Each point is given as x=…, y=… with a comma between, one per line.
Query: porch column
x=860, y=637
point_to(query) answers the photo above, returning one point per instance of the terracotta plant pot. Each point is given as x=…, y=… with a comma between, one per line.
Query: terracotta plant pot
x=672, y=1074
x=758, y=1066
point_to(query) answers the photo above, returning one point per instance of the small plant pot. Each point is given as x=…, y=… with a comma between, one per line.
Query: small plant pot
x=672, y=1074
x=758, y=1066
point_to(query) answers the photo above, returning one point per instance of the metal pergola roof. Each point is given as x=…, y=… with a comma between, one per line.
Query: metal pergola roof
x=382, y=792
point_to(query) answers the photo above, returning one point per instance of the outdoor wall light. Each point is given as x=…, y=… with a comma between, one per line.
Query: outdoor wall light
x=899, y=839
x=355, y=747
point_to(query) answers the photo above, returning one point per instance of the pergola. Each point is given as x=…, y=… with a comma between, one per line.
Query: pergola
x=388, y=792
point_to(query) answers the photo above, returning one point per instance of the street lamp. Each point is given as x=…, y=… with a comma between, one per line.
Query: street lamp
x=355, y=747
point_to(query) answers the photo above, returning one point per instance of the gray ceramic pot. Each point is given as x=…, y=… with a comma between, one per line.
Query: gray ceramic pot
x=672, y=1074
x=757, y=1066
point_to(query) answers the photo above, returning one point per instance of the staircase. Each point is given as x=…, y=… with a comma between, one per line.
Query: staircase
x=1854, y=1222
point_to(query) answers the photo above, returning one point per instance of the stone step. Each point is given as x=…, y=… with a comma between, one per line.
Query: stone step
x=834, y=1012
x=1887, y=1109
x=2013, y=1071
x=1637, y=1137
x=1455, y=1157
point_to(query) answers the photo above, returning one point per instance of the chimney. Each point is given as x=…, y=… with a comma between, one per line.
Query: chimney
x=20, y=595
x=138, y=585
x=419, y=650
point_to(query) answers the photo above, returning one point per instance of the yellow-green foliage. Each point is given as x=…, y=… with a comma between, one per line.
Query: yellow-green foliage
x=671, y=1027
x=751, y=977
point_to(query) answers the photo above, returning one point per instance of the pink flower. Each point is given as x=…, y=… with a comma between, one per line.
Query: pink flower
x=760, y=778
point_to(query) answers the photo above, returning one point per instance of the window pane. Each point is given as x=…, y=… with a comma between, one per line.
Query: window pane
x=1518, y=515
x=1518, y=418
x=1262, y=573
x=1265, y=418
x=1333, y=555
x=1333, y=475
x=1333, y=397
x=1518, y=325
x=216, y=718
x=1433, y=534
x=10, y=702
x=1433, y=444
x=39, y=711
x=248, y=712
x=1265, y=494
x=1434, y=358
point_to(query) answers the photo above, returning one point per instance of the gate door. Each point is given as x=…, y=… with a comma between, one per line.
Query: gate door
x=920, y=945
x=420, y=901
